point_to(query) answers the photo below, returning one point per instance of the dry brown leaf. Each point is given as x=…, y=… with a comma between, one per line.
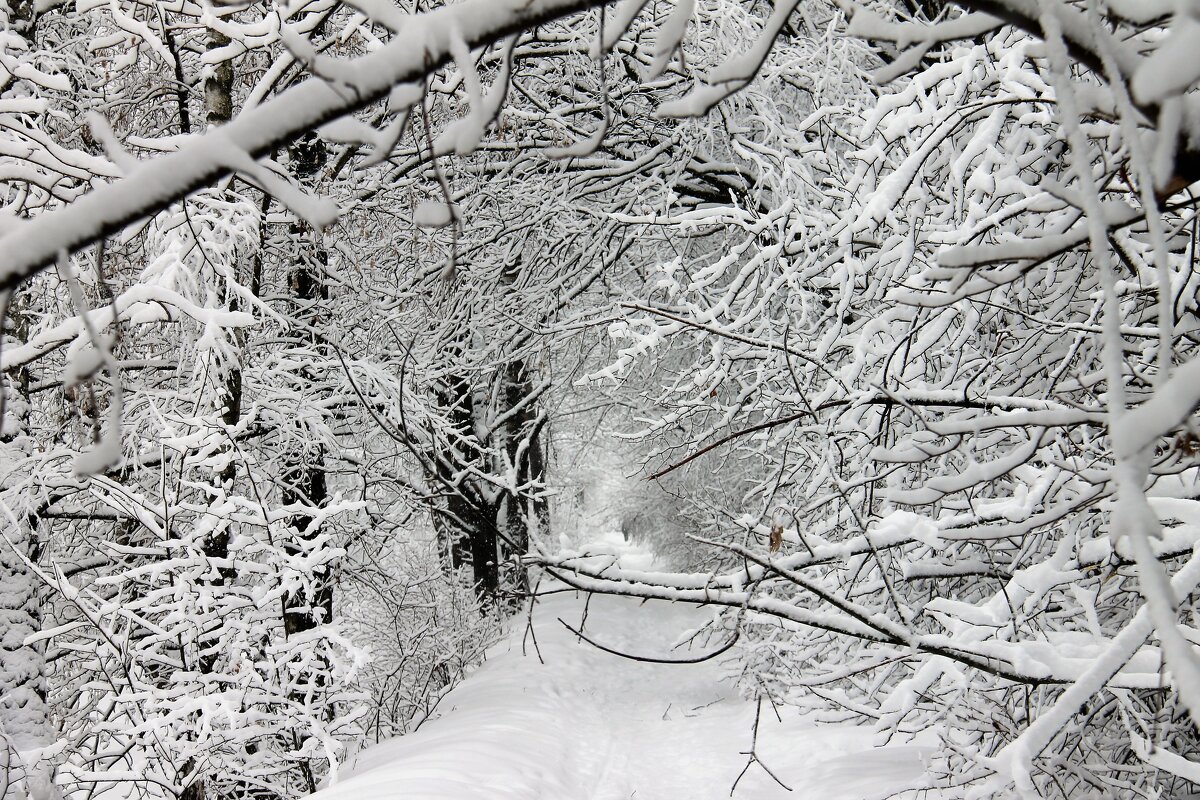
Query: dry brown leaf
x=776, y=538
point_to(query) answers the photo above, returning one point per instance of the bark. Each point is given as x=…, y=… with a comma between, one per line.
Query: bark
x=526, y=510
x=304, y=475
x=303, y=478
x=25, y=725
x=218, y=110
x=520, y=444
x=218, y=107
x=460, y=514
x=478, y=526
x=520, y=440
x=466, y=523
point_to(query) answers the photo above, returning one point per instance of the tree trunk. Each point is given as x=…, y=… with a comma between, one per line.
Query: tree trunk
x=218, y=110
x=466, y=523
x=25, y=727
x=304, y=476
x=24, y=717
x=525, y=510
x=520, y=446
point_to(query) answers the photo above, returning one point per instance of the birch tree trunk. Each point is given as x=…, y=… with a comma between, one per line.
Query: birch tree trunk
x=25, y=725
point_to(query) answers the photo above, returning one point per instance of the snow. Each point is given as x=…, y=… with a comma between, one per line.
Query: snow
x=616, y=25
x=1161, y=759
x=671, y=35
x=1173, y=68
x=585, y=724
x=432, y=214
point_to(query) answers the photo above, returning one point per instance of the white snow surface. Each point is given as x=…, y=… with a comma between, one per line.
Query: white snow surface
x=586, y=725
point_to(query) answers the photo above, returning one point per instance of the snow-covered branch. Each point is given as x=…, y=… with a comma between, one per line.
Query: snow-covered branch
x=427, y=42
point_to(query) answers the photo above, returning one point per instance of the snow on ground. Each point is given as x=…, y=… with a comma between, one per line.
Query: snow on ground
x=586, y=725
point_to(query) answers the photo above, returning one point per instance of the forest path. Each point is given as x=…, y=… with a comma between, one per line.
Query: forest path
x=581, y=724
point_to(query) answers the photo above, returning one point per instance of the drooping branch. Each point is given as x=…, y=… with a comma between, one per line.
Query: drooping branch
x=1084, y=44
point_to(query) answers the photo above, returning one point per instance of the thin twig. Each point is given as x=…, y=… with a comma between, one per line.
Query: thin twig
x=753, y=753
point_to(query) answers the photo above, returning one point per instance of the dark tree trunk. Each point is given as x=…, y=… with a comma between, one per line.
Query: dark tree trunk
x=519, y=439
x=304, y=475
x=218, y=107
x=521, y=433
x=478, y=525
x=304, y=482
x=218, y=110
x=466, y=527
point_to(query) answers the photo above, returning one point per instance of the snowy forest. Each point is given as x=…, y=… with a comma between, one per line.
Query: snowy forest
x=346, y=340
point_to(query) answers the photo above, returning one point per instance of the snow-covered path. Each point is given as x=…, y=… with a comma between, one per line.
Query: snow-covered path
x=586, y=725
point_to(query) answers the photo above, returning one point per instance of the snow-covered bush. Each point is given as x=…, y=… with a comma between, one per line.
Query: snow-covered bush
x=423, y=631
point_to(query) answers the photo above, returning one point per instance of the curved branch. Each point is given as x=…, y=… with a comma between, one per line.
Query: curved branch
x=654, y=659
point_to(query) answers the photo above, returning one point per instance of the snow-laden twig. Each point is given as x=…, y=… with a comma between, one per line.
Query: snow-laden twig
x=425, y=45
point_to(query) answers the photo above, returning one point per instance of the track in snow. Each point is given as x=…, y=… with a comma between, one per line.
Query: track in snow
x=586, y=725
